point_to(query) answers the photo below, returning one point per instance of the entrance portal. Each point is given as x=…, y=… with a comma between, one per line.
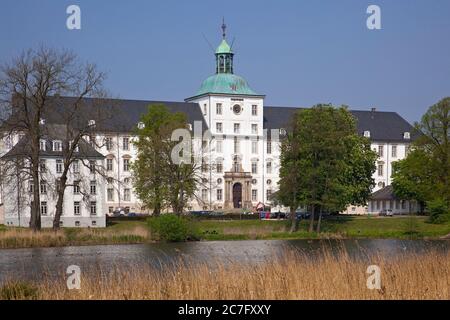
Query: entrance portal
x=237, y=195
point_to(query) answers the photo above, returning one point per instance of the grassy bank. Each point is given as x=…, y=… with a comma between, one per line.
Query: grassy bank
x=341, y=227
x=291, y=276
x=120, y=233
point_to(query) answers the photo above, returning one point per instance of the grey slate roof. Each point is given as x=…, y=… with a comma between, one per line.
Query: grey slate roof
x=54, y=132
x=383, y=126
x=387, y=193
x=124, y=115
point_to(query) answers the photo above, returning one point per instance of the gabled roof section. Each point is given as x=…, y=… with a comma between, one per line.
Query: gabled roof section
x=383, y=126
x=54, y=133
x=387, y=193
x=123, y=116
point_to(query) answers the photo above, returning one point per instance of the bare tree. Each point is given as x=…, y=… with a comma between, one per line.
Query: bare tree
x=27, y=85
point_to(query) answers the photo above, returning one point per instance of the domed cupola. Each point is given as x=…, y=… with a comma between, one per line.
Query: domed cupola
x=224, y=81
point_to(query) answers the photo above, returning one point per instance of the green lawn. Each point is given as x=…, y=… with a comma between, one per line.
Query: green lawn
x=332, y=227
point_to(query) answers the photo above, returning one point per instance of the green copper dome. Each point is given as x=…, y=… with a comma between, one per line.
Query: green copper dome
x=226, y=83
x=223, y=47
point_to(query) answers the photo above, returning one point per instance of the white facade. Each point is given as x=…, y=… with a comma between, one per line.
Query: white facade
x=242, y=161
x=84, y=197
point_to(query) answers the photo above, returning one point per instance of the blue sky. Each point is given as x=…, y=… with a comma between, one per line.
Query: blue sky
x=297, y=53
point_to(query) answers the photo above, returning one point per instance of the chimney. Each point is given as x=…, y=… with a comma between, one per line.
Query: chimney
x=372, y=114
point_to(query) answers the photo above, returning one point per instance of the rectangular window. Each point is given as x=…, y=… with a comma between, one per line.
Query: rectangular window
x=42, y=145
x=236, y=145
x=76, y=208
x=204, y=166
x=396, y=204
x=254, y=147
x=93, y=208
x=254, y=168
x=268, y=194
x=109, y=164
x=126, y=143
x=254, y=110
x=126, y=165
x=380, y=151
x=126, y=194
x=237, y=128
x=76, y=187
x=205, y=109
x=394, y=151
x=43, y=187
x=219, y=167
x=380, y=170
x=219, y=127
x=30, y=187
x=219, y=108
x=93, y=187
x=219, y=146
x=269, y=167
x=76, y=166
x=43, y=208
x=57, y=145
x=110, y=194
x=269, y=147
x=42, y=166
x=59, y=166
x=403, y=204
x=108, y=143
x=204, y=194
x=254, y=195
x=219, y=194
x=92, y=166
x=254, y=128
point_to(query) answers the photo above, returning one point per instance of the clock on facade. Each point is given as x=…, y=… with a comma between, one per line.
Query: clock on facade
x=237, y=109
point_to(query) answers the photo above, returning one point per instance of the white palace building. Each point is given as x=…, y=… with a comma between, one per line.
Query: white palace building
x=244, y=154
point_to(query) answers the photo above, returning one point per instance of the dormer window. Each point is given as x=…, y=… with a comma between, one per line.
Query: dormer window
x=406, y=135
x=367, y=134
x=57, y=145
x=141, y=125
x=76, y=149
x=282, y=132
x=42, y=145
x=91, y=123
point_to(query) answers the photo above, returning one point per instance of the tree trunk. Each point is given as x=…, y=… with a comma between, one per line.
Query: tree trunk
x=294, y=221
x=311, y=221
x=157, y=210
x=35, y=219
x=60, y=202
x=319, y=221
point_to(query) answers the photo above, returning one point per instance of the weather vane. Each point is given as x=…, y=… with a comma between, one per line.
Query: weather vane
x=224, y=28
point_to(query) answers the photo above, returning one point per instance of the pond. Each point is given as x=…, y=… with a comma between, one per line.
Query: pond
x=32, y=263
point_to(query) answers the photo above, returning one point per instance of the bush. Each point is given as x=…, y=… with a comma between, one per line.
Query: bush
x=18, y=290
x=170, y=227
x=439, y=211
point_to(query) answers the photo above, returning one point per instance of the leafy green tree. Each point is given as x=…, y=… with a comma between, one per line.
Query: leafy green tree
x=160, y=181
x=325, y=164
x=424, y=175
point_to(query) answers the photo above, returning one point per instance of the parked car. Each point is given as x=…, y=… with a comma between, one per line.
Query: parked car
x=387, y=213
x=120, y=212
x=278, y=215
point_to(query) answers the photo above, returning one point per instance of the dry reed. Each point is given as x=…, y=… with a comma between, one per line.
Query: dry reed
x=292, y=275
x=25, y=238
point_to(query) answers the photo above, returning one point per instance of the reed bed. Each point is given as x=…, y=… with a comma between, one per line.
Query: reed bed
x=25, y=238
x=292, y=275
